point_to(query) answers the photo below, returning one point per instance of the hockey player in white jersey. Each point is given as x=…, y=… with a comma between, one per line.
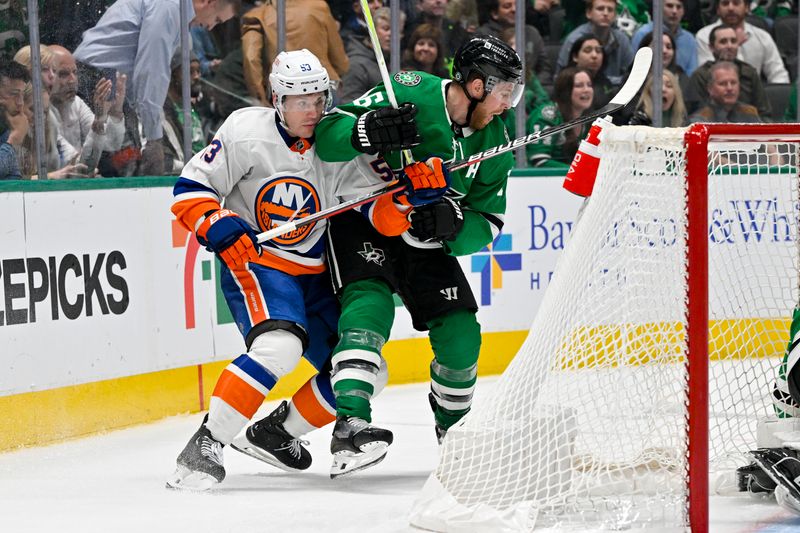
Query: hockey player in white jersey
x=259, y=171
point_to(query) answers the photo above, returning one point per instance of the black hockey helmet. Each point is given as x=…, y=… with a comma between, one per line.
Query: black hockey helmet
x=492, y=60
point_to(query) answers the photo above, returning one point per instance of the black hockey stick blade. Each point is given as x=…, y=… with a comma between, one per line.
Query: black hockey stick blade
x=635, y=81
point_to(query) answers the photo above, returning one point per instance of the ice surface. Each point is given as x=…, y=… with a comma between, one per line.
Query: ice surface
x=115, y=483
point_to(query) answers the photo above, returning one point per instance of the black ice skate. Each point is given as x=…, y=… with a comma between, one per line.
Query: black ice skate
x=267, y=440
x=357, y=445
x=199, y=464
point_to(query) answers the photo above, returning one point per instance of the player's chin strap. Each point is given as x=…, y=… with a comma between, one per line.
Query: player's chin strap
x=473, y=103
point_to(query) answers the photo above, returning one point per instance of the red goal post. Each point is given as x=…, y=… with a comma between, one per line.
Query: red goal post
x=697, y=138
x=652, y=356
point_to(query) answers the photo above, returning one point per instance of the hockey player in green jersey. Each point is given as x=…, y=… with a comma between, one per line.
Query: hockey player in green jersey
x=455, y=118
x=786, y=391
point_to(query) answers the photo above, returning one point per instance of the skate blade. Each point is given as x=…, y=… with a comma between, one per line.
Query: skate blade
x=347, y=463
x=189, y=480
x=242, y=445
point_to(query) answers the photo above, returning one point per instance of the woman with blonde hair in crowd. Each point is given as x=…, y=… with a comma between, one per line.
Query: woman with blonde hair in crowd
x=673, y=108
x=89, y=153
x=424, y=51
x=23, y=57
x=59, y=157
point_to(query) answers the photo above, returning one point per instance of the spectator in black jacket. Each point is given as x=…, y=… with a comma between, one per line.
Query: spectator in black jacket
x=541, y=14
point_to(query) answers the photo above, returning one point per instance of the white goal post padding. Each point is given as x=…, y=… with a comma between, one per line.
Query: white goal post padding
x=588, y=425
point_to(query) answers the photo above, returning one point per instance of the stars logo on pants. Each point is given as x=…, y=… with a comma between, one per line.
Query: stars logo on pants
x=372, y=255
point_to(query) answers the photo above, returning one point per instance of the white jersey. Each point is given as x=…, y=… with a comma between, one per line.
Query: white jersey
x=254, y=168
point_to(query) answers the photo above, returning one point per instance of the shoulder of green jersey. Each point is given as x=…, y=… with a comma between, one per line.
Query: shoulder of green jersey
x=408, y=78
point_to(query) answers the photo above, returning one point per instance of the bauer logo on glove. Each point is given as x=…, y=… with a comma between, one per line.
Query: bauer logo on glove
x=425, y=182
x=227, y=235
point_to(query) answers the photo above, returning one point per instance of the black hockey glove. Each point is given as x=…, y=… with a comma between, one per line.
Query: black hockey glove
x=386, y=130
x=437, y=222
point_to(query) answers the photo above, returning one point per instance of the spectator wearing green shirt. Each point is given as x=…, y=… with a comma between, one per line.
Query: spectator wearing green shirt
x=572, y=96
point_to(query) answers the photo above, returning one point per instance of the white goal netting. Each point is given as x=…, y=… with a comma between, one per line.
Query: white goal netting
x=587, y=428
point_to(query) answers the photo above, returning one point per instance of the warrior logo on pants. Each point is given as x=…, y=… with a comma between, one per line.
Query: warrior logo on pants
x=450, y=293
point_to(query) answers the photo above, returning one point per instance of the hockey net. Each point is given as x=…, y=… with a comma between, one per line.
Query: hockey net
x=654, y=351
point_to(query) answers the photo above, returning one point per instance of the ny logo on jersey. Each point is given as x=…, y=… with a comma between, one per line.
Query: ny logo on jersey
x=284, y=199
x=372, y=255
x=450, y=293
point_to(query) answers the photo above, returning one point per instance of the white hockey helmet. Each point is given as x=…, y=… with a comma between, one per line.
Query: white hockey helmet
x=298, y=72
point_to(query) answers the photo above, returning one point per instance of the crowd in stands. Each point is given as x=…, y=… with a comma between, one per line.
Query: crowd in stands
x=111, y=71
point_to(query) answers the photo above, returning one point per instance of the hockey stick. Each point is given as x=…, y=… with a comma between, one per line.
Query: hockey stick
x=406, y=156
x=639, y=72
x=635, y=81
x=327, y=213
x=387, y=82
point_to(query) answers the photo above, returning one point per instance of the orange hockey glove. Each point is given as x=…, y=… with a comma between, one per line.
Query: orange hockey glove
x=231, y=238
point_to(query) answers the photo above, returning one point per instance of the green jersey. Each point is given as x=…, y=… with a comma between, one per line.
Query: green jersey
x=554, y=151
x=480, y=188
